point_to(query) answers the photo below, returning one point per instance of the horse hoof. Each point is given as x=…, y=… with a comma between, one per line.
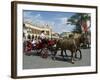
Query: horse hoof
x=72, y=62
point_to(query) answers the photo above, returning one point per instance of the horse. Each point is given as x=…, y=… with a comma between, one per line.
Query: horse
x=72, y=44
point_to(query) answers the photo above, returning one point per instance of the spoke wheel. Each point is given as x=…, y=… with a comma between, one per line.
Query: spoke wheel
x=44, y=53
x=78, y=54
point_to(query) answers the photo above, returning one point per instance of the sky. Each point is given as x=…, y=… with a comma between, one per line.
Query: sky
x=57, y=20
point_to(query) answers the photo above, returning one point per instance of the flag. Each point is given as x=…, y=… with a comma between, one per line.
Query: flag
x=84, y=26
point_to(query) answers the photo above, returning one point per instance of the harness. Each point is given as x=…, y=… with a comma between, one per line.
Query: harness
x=74, y=43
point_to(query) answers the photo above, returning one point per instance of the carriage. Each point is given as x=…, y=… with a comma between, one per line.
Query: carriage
x=40, y=48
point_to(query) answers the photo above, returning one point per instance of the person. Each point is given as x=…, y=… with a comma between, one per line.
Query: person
x=43, y=37
x=34, y=42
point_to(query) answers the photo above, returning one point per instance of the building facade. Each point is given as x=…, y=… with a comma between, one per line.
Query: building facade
x=33, y=31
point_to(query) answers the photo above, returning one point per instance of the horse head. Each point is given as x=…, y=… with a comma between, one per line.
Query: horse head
x=83, y=38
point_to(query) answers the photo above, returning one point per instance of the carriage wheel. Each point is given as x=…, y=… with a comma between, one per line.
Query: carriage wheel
x=78, y=54
x=44, y=53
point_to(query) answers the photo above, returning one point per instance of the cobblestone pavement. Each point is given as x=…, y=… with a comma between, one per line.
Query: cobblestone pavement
x=35, y=62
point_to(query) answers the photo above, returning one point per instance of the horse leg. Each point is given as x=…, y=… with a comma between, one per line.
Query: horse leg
x=65, y=53
x=88, y=45
x=54, y=55
x=72, y=57
x=55, y=52
x=62, y=53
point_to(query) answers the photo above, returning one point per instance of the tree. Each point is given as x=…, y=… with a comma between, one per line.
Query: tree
x=80, y=20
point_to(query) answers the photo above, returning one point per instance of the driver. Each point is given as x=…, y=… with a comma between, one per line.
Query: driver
x=43, y=37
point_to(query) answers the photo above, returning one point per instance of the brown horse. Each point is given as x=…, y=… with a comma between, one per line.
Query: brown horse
x=72, y=44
